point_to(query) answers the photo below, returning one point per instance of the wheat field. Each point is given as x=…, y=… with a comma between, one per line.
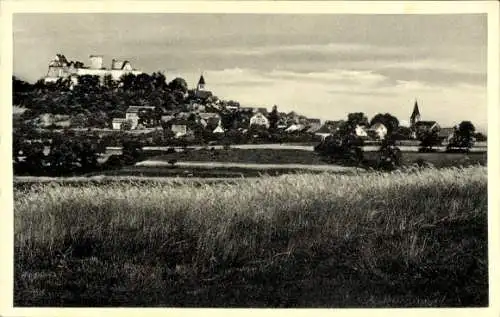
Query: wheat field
x=417, y=237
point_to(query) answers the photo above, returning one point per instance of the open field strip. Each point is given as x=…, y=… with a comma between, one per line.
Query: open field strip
x=259, y=166
x=409, y=238
x=405, y=148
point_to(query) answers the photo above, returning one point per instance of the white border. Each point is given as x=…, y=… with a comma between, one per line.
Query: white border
x=8, y=8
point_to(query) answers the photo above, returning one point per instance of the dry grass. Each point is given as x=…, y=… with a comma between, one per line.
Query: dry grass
x=418, y=237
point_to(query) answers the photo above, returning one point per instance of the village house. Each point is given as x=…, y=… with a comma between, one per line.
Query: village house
x=61, y=68
x=379, y=130
x=426, y=126
x=446, y=134
x=360, y=131
x=259, y=119
x=295, y=128
x=166, y=118
x=132, y=114
x=313, y=125
x=218, y=130
x=179, y=130
x=329, y=128
x=116, y=124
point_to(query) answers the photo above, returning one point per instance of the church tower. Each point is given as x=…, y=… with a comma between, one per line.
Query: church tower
x=201, y=83
x=415, y=116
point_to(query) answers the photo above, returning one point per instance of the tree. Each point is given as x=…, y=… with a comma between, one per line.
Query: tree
x=34, y=161
x=274, y=118
x=342, y=147
x=126, y=125
x=87, y=84
x=463, y=137
x=402, y=133
x=357, y=118
x=97, y=119
x=109, y=83
x=388, y=120
x=480, y=137
x=178, y=84
x=132, y=151
x=159, y=81
x=127, y=81
x=390, y=155
x=79, y=121
x=143, y=83
x=429, y=140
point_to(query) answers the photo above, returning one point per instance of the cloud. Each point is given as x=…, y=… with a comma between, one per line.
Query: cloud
x=334, y=93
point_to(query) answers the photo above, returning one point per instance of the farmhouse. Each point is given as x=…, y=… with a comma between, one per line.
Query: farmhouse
x=61, y=68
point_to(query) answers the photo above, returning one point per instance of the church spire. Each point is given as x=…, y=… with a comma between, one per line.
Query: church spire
x=415, y=116
x=201, y=83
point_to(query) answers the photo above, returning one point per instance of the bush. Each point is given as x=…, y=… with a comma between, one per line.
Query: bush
x=342, y=149
x=429, y=140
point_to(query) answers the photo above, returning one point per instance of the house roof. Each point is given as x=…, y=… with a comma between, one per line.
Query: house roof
x=444, y=132
x=119, y=120
x=208, y=115
x=118, y=64
x=204, y=94
x=295, y=127
x=314, y=128
x=167, y=118
x=314, y=120
x=427, y=124
x=323, y=129
x=177, y=121
x=219, y=129
x=133, y=109
x=330, y=126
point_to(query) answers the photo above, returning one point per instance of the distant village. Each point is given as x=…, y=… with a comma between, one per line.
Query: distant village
x=203, y=108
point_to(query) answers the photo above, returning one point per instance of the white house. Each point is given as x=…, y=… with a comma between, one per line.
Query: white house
x=295, y=127
x=259, y=119
x=360, y=131
x=179, y=130
x=218, y=130
x=117, y=123
x=379, y=129
x=132, y=114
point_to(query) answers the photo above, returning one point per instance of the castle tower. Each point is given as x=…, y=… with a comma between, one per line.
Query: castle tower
x=415, y=116
x=95, y=61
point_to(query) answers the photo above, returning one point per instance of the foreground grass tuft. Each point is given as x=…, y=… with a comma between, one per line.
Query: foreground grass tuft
x=412, y=238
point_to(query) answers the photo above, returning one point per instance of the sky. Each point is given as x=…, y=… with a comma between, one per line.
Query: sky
x=323, y=65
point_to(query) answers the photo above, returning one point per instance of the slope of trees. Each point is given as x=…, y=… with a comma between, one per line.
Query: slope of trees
x=100, y=102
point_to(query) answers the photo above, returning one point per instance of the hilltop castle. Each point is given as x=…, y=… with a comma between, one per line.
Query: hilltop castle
x=60, y=67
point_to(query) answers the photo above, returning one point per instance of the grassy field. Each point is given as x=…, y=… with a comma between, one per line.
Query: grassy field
x=262, y=156
x=405, y=239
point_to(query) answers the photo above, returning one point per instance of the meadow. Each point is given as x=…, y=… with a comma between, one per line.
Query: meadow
x=411, y=238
